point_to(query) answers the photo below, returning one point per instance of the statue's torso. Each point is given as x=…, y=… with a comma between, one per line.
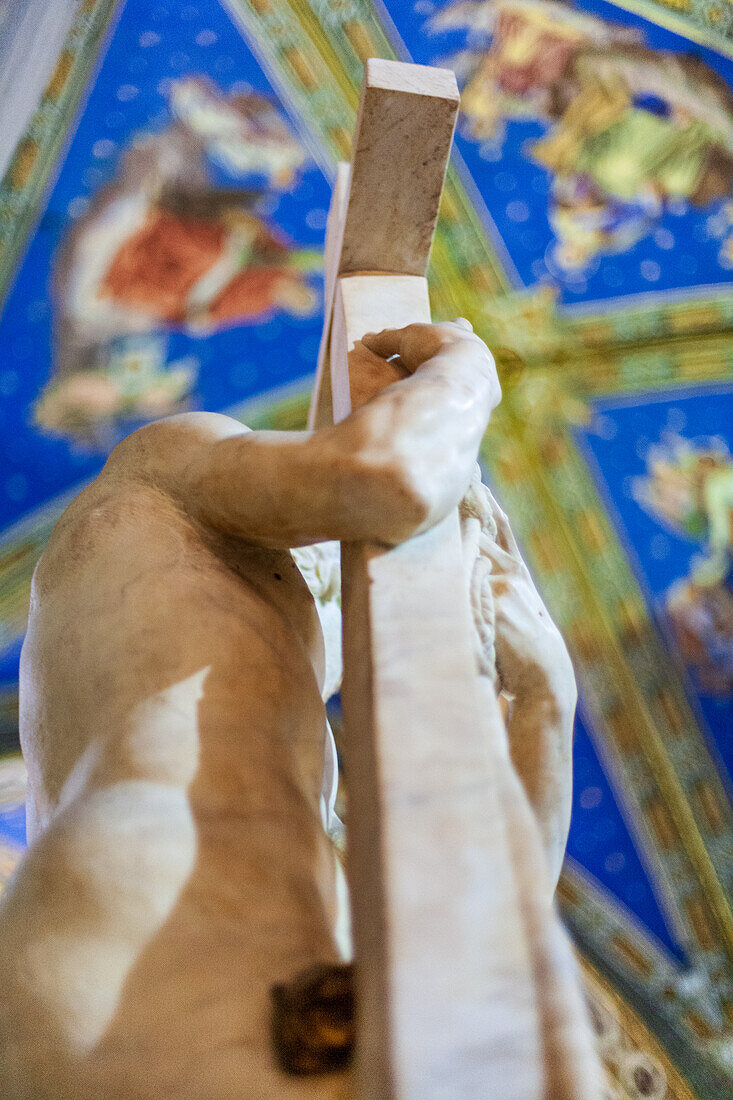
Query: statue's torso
x=133, y=598
x=158, y=649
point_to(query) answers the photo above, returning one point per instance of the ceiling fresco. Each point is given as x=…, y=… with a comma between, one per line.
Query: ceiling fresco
x=665, y=469
x=602, y=148
x=161, y=234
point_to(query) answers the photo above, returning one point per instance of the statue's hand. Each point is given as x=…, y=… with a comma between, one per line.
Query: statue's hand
x=424, y=432
x=531, y=656
x=417, y=344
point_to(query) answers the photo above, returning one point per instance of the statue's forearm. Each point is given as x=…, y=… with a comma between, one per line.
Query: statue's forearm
x=536, y=672
x=289, y=489
x=433, y=423
x=540, y=742
x=278, y=489
x=391, y=469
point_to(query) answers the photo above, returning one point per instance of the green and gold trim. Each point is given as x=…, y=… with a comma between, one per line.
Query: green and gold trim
x=26, y=181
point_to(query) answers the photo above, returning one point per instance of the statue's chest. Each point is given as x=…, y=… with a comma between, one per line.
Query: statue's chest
x=274, y=576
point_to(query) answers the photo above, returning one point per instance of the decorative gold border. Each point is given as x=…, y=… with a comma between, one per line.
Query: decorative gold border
x=708, y=22
x=677, y=1011
x=633, y=1042
x=26, y=181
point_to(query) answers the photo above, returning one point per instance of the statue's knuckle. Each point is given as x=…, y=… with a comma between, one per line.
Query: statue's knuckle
x=413, y=492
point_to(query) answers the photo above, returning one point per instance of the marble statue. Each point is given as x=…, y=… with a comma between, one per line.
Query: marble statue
x=181, y=771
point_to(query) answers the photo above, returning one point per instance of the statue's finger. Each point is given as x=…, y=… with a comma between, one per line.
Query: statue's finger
x=414, y=343
x=502, y=562
x=385, y=343
x=506, y=537
x=504, y=533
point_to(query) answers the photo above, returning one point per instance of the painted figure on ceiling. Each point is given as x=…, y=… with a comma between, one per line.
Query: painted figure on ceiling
x=245, y=133
x=689, y=489
x=643, y=130
x=520, y=57
x=163, y=248
x=629, y=130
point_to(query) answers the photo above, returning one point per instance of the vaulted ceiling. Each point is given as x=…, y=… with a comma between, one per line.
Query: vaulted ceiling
x=161, y=231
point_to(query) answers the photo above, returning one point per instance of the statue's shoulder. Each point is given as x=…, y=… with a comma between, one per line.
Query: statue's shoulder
x=111, y=519
x=137, y=501
x=182, y=430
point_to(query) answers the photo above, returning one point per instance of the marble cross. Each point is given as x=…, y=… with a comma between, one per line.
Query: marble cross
x=446, y=997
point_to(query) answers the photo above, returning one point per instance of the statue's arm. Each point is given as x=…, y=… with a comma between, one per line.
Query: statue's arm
x=391, y=469
x=536, y=671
